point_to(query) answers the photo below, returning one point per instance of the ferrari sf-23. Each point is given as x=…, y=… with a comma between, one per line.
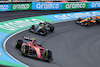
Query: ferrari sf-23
x=33, y=49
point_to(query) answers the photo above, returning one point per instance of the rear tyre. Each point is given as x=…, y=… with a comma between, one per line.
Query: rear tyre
x=97, y=22
x=33, y=26
x=40, y=24
x=19, y=44
x=51, y=28
x=50, y=56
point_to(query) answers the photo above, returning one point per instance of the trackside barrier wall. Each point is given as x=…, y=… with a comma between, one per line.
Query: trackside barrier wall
x=46, y=6
x=22, y=6
x=5, y=7
x=64, y=6
x=19, y=6
x=49, y=6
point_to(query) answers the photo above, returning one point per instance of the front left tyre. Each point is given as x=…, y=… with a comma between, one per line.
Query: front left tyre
x=48, y=56
x=19, y=44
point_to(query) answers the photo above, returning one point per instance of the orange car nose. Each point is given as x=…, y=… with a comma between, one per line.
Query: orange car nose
x=92, y=21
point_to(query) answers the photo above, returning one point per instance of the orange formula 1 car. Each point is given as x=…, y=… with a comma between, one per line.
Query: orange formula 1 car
x=97, y=19
x=32, y=49
x=88, y=21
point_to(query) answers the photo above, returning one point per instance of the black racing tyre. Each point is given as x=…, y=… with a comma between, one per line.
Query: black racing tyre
x=48, y=55
x=97, y=22
x=40, y=24
x=19, y=44
x=30, y=30
x=33, y=26
x=51, y=28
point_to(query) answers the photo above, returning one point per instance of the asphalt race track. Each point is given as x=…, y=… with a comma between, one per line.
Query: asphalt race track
x=72, y=46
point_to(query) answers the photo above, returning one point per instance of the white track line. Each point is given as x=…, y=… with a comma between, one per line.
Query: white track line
x=4, y=43
x=4, y=47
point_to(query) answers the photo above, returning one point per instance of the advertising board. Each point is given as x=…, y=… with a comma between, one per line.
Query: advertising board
x=5, y=7
x=76, y=5
x=22, y=6
x=94, y=5
x=46, y=6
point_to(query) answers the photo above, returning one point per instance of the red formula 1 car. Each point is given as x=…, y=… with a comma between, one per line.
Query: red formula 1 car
x=32, y=49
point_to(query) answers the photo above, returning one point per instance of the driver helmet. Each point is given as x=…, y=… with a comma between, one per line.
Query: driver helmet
x=91, y=17
x=42, y=25
x=34, y=38
x=79, y=18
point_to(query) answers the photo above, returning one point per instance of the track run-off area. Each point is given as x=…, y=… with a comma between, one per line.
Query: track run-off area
x=72, y=45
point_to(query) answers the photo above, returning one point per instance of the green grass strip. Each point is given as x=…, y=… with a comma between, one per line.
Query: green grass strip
x=10, y=64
